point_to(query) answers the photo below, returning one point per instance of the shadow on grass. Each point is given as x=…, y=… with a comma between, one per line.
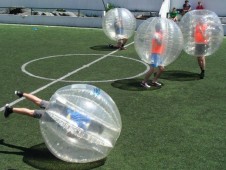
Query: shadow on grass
x=40, y=157
x=102, y=48
x=132, y=85
x=178, y=75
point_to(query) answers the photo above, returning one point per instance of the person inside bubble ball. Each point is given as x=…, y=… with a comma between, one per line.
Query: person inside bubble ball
x=201, y=44
x=186, y=7
x=119, y=31
x=81, y=120
x=157, y=49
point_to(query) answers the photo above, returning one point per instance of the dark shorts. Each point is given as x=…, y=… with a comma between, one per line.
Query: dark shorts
x=200, y=49
x=38, y=113
x=44, y=104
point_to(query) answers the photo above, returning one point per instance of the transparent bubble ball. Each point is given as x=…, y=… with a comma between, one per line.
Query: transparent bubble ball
x=81, y=124
x=119, y=23
x=172, y=39
x=213, y=33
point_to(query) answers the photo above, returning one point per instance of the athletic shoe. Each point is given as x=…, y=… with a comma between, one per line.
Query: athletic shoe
x=8, y=110
x=19, y=93
x=110, y=46
x=202, y=75
x=145, y=85
x=157, y=84
x=122, y=48
x=113, y=46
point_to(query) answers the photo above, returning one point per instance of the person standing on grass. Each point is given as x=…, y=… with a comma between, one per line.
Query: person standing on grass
x=201, y=43
x=157, y=49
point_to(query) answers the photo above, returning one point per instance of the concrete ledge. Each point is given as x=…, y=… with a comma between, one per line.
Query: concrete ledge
x=93, y=22
x=89, y=22
x=224, y=26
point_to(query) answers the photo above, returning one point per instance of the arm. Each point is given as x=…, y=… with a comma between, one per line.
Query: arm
x=158, y=39
x=189, y=8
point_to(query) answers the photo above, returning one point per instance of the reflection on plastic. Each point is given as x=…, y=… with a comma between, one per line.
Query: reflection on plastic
x=161, y=36
x=119, y=23
x=81, y=124
x=203, y=32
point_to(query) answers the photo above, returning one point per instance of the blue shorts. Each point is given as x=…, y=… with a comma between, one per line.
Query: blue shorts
x=119, y=31
x=156, y=60
x=81, y=120
x=200, y=49
x=84, y=122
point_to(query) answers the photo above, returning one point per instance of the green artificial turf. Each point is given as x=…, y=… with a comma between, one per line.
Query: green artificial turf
x=181, y=125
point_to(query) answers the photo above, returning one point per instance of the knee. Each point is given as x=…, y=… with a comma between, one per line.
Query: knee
x=201, y=58
x=161, y=68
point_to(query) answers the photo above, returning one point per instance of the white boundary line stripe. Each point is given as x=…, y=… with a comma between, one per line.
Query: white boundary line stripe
x=51, y=26
x=65, y=76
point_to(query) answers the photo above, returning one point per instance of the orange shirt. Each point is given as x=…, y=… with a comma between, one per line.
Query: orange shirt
x=157, y=47
x=200, y=30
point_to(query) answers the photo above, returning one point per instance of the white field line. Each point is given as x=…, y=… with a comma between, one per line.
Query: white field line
x=51, y=26
x=23, y=68
x=65, y=76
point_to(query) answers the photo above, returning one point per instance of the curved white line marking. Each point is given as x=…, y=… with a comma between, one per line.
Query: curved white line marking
x=67, y=75
x=23, y=68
